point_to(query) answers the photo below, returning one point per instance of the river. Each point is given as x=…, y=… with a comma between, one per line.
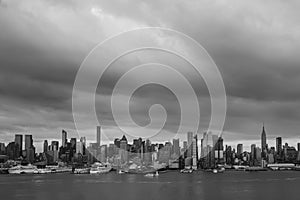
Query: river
x=231, y=185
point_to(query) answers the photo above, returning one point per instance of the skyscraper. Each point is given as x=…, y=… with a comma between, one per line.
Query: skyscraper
x=190, y=137
x=195, y=152
x=99, y=135
x=253, y=152
x=279, y=145
x=45, y=146
x=28, y=142
x=83, y=141
x=176, y=148
x=263, y=143
x=219, y=151
x=239, y=149
x=79, y=147
x=123, y=149
x=64, y=138
x=54, y=145
x=30, y=150
x=18, y=145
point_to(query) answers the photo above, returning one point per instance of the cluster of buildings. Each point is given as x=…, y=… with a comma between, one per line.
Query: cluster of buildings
x=14, y=150
x=213, y=153
x=122, y=154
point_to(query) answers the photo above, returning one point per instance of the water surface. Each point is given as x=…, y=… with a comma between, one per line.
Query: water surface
x=231, y=185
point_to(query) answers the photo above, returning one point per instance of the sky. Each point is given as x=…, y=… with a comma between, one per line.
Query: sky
x=255, y=45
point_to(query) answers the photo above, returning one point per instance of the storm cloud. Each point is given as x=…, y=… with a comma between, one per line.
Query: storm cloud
x=255, y=45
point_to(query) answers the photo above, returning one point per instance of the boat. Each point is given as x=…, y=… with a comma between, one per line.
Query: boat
x=58, y=169
x=121, y=172
x=186, y=171
x=218, y=170
x=156, y=174
x=81, y=171
x=42, y=171
x=20, y=169
x=99, y=168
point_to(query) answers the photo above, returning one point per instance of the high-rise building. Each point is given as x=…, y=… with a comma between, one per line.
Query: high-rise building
x=64, y=139
x=253, y=152
x=103, y=153
x=10, y=150
x=298, y=146
x=99, y=135
x=239, y=149
x=79, y=147
x=28, y=141
x=2, y=148
x=123, y=149
x=219, y=151
x=279, y=145
x=176, y=148
x=54, y=146
x=45, y=146
x=258, y=156
x=83, y=141
x=190, y=136
x=123, y=143
x=195, y=152
x=29, y=148
x=18, y=145
x=263, y=143
x=73, y=143
x=147, y=146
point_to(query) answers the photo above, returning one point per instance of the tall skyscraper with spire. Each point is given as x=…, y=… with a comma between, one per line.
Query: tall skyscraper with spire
x=263, y=142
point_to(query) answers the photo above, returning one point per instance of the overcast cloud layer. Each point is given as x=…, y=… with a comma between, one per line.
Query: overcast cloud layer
x=255, y=44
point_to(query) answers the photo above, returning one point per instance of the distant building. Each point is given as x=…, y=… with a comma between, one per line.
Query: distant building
x=29, y=148
x=279, y=145
x=176, y=147
x=18, y=145
x=45, y=149
x=258, y=155
x=99, y=135
x=219, y=151
x=190, y=136
x=123, y=151
x=79, y=147
x=263, y=143
x=54, y=146
x=239, y=149
x=64, y=139
x=253, y=154
x=10, y=150
x=73, y=144
x=103, y=153
x=195, y=152
x=2, y=149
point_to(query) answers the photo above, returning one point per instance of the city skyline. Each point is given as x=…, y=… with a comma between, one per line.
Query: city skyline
x=263, y=141
x=260, y=76
x=246, y=143
x=211, y=152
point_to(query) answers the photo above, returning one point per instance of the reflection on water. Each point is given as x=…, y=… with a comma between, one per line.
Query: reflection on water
x=172, y=185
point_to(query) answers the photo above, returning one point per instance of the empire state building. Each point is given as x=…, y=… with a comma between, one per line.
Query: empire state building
x=263, y=142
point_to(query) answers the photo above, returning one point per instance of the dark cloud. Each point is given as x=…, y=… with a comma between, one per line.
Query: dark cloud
x=255, y=45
